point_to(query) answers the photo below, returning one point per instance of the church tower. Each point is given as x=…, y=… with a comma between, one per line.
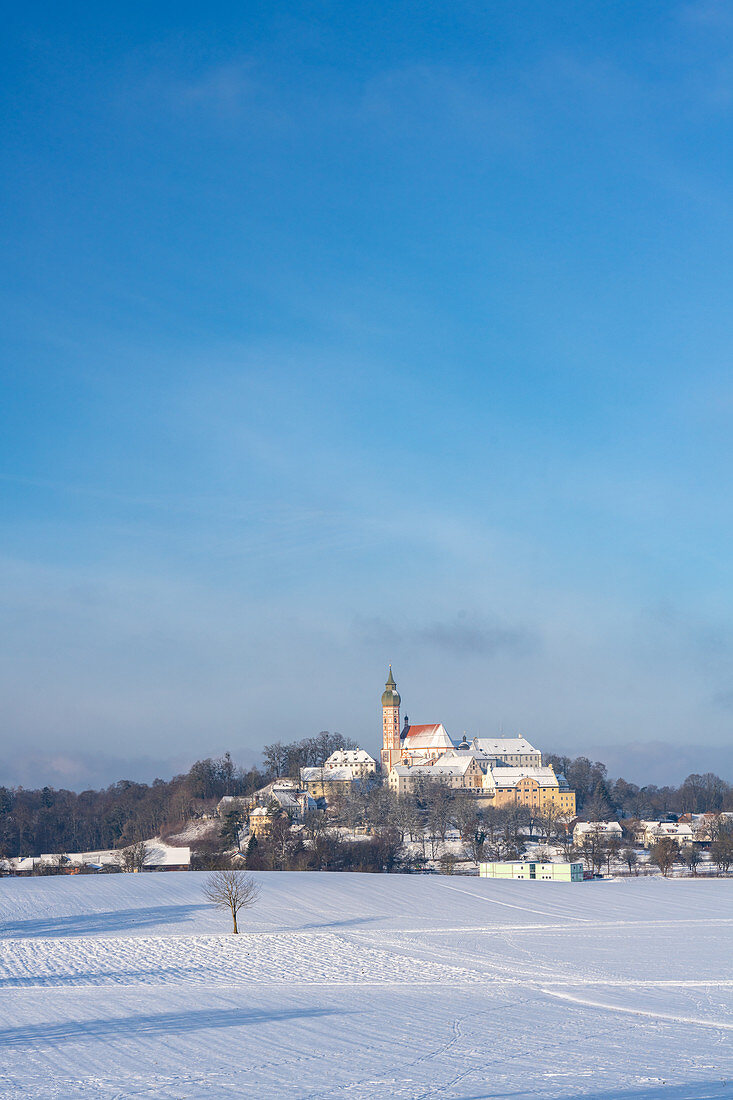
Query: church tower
x=390, y=724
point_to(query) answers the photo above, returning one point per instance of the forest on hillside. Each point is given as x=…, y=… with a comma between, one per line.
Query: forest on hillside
x=52, y=820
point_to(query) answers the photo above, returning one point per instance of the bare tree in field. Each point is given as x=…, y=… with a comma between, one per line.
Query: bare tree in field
x=232, y=890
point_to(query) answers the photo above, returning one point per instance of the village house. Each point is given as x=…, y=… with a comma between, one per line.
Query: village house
x=700, y=819
x=283, y=794
x=343, y=768
x=261, y=819
x=327, y=782
x=609, y=830
x=291, y=799
x=706, y=826
x=649, y=832
x=358, y=761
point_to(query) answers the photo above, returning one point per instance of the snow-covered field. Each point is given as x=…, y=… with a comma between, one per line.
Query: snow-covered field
x=356, y=986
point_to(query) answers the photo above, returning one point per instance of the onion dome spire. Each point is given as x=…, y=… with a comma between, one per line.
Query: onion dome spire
x=391, y=697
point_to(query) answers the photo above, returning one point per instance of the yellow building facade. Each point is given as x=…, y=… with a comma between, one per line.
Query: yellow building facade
x=538, y=791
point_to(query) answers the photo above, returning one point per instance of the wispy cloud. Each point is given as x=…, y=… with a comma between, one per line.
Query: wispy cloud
x=233, y=95
x=462, y=636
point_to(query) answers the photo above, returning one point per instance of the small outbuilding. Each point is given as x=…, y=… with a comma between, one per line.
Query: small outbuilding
x=542, y=872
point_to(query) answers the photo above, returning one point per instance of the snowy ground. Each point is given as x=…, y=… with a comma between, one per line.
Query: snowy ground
x=357, y=986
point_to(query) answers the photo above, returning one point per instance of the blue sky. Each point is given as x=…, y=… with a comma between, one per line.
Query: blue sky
x=336, y=335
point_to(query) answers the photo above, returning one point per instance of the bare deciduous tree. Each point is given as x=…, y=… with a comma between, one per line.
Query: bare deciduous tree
x=691, y=857
x=593, y=846
x=549, y=822
x=630, y=858
x=613, y=851
x=664, y=854
x=135, y=856
x=440, y=810
x=475, y=845
x=721, y=850
x=141, y=855
x=231, y=890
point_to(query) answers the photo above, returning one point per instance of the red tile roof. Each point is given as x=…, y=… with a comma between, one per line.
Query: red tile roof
x=427, y=737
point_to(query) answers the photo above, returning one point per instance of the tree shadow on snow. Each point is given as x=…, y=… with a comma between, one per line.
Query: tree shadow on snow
x=173, y=1023
x=333, y=924
x=720, y=1089
x=90, y=924
x=697, y=1090
x=152, y=977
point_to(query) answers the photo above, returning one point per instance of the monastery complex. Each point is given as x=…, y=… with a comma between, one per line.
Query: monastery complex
x=506, y=771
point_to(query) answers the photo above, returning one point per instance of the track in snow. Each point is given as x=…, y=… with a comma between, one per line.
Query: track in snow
x=361, y=986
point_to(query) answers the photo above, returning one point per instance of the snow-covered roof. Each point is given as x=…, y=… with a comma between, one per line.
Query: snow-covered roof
x=23, y=863
x=597, y=827
x=162, y=855
x=405, y=770
x=454, y=764
x=427, y=737
x=263, y=793
x=471, y=751
x=442, y=767
x=332, y=775
x=509, y=777
x=505, y=746
x=535, y=862
x=669, y=828
x=230, y=802
x=293, y=799
x=349, y=756
x=158, y=855
x=284, y=798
